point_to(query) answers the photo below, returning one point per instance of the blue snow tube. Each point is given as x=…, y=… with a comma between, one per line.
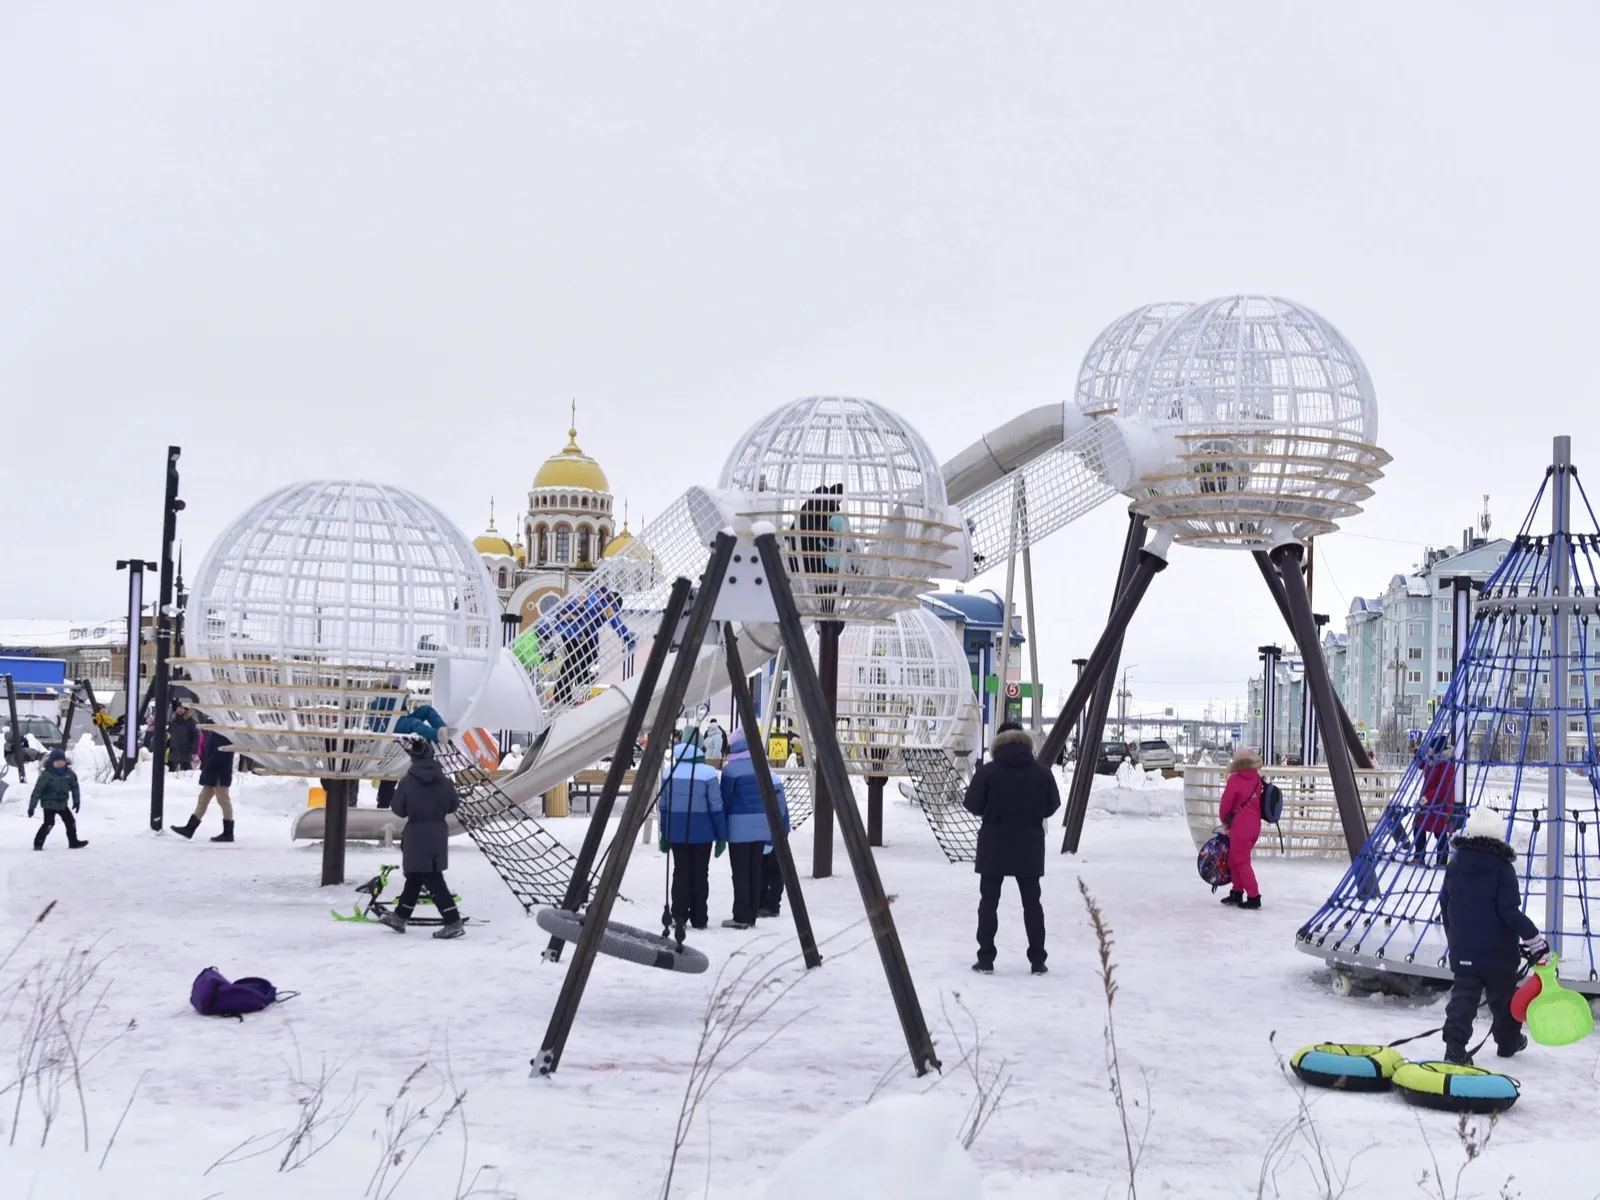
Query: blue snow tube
x=1345, y=1067
x=625, y=942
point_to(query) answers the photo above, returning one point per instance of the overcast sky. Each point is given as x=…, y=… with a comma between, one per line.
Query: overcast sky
x=392, y=240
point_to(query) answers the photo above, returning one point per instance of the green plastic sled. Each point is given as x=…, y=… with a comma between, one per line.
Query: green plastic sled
x=1556, y=1016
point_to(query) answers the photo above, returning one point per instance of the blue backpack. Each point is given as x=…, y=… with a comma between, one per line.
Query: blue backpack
x=213, y=996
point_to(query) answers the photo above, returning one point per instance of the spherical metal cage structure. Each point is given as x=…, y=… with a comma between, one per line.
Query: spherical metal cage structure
x=317, y=609
x=1103, y=375
x=859, y=503
x=1271, y=420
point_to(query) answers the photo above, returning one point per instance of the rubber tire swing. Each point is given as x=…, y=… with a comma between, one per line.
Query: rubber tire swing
x=625, y=942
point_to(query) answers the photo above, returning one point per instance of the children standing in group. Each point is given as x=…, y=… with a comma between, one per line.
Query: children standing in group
x=750, y=837
x=54, y=790
x=693, y=828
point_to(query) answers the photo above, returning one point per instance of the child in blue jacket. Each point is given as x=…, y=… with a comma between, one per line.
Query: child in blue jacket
x=757, y=882
x=692, y=823
x=56, y=786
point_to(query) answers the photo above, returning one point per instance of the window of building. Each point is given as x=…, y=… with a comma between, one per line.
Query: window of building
x=1414, y=652
x=563, y=544
x=1414, y=629
x=583, y=546
x=505, y=579
x=541, y=541
x=1442, y=653
x=1444, y=677
x=600, y=540
x=1416, y=676
x=583, y=502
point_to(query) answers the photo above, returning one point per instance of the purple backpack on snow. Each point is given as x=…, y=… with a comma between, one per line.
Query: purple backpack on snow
x=213, y=996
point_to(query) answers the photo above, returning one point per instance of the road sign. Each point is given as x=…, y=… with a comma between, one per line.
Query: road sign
x=1013, y=691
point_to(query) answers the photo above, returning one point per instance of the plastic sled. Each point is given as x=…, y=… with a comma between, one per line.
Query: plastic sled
x=1556, y=1016
x=1526, y=991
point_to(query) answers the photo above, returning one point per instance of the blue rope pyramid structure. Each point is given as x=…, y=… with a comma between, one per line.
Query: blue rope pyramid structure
x=1514, y=731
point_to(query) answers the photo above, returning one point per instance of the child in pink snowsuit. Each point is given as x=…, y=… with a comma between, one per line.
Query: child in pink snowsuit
x=1241, y=817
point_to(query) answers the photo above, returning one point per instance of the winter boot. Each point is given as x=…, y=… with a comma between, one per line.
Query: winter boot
x=1251, y=902
x=730, y=923
x=1040, y=969
x=1520, y=1045
x=1457, y=1055
x=394, y=921
x=186, y=830
x=227, y=833
x=1233, y=898
x=38, y=838
x=983, y=968
x=766, y=912
x=453, y=930
x=77, y=845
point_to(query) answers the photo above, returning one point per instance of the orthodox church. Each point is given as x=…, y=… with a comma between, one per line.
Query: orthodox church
x=569, y=527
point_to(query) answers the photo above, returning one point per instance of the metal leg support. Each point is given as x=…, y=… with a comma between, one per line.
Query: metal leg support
x=1286, y=559
x=640, y=797
x=830, y=766
x=1094, y=724
x=748, y=721
x=600, y=814
x=1352, y=740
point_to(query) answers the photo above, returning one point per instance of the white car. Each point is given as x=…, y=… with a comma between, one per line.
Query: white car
x=1156, y=755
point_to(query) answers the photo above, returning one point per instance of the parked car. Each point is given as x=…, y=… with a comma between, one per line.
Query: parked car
x=1156, y=755
x=43, y=729
x=1110, y=757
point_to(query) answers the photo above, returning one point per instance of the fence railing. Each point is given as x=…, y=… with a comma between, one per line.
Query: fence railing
x=1310, y=824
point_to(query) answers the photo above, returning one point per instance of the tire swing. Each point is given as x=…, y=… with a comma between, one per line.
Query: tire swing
x=625, y=942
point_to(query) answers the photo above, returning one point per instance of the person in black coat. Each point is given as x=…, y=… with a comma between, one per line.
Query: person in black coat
x=183, y=738
x=1014, y=795
x=425, y=797
x=216, y=777
x=1488, y=933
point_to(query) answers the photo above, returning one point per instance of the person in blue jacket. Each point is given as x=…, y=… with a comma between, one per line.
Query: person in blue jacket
x=749, y=835
x=692, y=823
x=1488, y=933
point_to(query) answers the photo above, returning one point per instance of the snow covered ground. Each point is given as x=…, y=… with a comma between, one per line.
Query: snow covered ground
x=1201, y=990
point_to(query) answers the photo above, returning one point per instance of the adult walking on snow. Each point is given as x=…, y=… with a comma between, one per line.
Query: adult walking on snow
x=216, y=777
x=1014, y=794
x=1241, y=817
x=749, y=836
x=693, y=827
x=425, y=797
x=183, y=739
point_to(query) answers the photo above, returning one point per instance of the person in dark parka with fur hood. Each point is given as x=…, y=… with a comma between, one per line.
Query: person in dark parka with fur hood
x=425, y=797
x=1014, y=795
x=1488, y=932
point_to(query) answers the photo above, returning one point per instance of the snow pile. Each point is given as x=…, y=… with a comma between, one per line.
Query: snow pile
x=1133, y=793
x=899, y=1146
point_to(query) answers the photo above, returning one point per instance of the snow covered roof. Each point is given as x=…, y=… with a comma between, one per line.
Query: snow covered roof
x=1361, y=604
x=977, y=610
x=45, y=633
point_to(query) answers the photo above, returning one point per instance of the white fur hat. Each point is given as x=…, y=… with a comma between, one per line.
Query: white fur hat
x=1485, y=822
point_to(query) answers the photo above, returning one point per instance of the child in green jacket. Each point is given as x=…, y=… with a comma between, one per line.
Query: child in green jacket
x=55, y=786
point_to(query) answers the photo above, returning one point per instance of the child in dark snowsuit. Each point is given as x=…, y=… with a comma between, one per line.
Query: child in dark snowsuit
x=425, y=797
x=55, y=787
x=1484, y=922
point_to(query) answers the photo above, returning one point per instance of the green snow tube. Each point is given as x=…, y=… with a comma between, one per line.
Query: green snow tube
x=625, y=942
x=1345, y=1067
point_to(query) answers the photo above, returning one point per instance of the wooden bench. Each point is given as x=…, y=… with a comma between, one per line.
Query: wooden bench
x=586, y=785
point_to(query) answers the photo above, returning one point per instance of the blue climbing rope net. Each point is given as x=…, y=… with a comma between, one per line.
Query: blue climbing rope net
x=1505, y=730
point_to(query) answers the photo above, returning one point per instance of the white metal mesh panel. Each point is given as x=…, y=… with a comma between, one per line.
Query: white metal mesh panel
x=1103, y=375
x=591, y=638
x=1052, y=491
x=858, y=500
x=314, y=610
x=1276, y=418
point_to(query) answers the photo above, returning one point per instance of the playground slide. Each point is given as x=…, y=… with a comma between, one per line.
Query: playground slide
x=582, y=737
x=579, y=738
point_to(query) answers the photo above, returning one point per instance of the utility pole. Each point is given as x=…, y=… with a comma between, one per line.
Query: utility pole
x=165, y=612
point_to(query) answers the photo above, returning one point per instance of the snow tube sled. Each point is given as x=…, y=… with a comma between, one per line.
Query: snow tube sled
x=1453, y=1088
x=1345, y=1067
x=626, y=942
x=1213, y=861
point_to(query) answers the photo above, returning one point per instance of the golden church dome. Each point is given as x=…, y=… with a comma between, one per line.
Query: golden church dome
x=617, y=544
x=572, y=468
x=490, y=541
